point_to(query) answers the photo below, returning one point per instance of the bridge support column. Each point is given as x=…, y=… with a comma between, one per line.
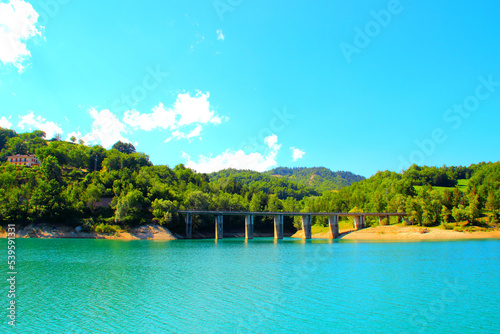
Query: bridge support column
x=278, y=227
x=333, y=223
x=388, y=220
x=306, y=226
x=249, y=227
x=359, y=222
x=189, y=226
x=219, y=227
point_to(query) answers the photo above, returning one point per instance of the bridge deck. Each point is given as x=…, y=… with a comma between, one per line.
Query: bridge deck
x=244, y=213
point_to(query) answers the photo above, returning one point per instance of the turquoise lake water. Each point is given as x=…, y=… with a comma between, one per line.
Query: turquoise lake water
x=260, y=286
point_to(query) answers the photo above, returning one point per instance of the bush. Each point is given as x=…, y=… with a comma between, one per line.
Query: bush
x=447, y=226
x=107, y=229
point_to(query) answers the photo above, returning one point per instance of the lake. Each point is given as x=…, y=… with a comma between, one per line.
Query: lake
x=259, y=286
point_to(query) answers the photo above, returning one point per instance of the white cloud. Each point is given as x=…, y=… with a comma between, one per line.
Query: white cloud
x=195, y=109
x=297, y=153
x=32, y=122
x=17, y=26
x=237, y=159
x=4, y=123
x=106, y=130
x=187, y=111
x=220, y=35
x=159, y=118
x=271, y=140
x=179, y=135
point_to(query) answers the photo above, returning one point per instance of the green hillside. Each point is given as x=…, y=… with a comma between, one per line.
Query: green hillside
x=320, y=178
x=97, y=188
x=246, y=180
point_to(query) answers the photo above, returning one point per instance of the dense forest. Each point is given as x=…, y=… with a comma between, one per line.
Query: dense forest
x=320, y=178
x=103, y=190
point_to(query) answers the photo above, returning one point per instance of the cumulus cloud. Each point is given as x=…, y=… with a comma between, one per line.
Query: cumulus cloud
x=106, y=129
x=220, y=35
x=160, y=118
x=297, y=153
x=180, y=135
x=17, y=26
x=4, y=123
x=237, y=159
x=32, y=122
x=187, y=111
x=194, y=109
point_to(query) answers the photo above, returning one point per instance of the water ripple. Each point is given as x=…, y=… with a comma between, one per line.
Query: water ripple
x=104, y=286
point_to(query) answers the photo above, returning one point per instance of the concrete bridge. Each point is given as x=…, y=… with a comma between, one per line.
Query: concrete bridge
x=333, y=221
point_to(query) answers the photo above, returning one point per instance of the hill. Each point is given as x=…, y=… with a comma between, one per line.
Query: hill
x=320, y=178
x=97, y=189
x=232, y=180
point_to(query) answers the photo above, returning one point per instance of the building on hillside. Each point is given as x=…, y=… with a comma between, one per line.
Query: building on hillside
x=24, y=160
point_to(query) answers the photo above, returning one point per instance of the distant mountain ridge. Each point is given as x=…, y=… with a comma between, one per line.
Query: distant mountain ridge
x=320, y=178
x=306, y=179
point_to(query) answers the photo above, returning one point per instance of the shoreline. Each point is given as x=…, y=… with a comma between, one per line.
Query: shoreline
x=143, y=232
x=405, y=233
x=157, y=232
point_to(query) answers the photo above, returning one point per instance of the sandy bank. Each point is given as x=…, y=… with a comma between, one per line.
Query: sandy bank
x=399, y=233
x=144, y=232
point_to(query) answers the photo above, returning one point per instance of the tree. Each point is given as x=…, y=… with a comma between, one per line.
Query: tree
x=93, y=195
x=414, y=211
x=57, y=137
x=492, y=207
x=51, y=169
x=126, y=148
x=196, y=200
x=474, y=206
x=73, y=139
x=274, y=204
x=460, y=213
x=258, y=202
x=162, y=210
x=445, y=214
x=5, y=134
x=15, y=145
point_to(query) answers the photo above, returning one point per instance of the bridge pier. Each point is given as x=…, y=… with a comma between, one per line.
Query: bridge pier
x=359, y=222
x=388, y=220
x=249, y=227
x=306, y=226
x=189, y=226
x=219, y=227
x=278, y=227
x=333, y=224
x=380, y=218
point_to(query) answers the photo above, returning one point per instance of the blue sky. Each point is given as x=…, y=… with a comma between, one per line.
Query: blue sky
x=259, y=84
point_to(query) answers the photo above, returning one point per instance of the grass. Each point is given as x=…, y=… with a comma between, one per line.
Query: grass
x=343, y=225
x=462, y=185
